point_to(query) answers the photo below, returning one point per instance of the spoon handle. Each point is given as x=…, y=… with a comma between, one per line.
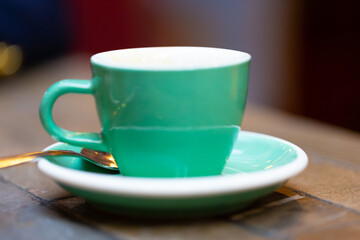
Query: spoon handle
x=22, y=158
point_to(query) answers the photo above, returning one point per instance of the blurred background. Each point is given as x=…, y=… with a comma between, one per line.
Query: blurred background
x=305, y=54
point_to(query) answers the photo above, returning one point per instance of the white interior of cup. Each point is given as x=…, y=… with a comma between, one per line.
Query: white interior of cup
x=170, y=58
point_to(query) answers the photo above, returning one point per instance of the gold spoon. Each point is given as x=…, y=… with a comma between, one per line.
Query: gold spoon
x=101, y=159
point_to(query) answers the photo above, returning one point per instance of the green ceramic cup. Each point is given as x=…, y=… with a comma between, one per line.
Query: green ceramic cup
x=164, y=111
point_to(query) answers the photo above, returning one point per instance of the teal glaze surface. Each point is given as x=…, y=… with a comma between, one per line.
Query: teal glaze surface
x=177, y=98
x=172, y=152
x=251, y=153
x=146, y=113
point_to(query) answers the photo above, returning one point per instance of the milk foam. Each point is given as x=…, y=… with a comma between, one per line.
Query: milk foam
x=170, y=58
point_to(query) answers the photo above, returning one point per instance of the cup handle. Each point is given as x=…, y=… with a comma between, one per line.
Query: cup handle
x=83, y=139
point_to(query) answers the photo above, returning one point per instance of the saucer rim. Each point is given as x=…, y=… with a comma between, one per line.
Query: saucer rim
x=177, y=187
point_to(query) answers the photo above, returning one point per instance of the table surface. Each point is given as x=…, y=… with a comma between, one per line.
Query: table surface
x=323, y=202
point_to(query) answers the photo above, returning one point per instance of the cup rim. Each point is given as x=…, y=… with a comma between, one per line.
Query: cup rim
x=239, y=57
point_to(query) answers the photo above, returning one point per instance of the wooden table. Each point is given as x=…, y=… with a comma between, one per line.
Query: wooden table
x=323, y=202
